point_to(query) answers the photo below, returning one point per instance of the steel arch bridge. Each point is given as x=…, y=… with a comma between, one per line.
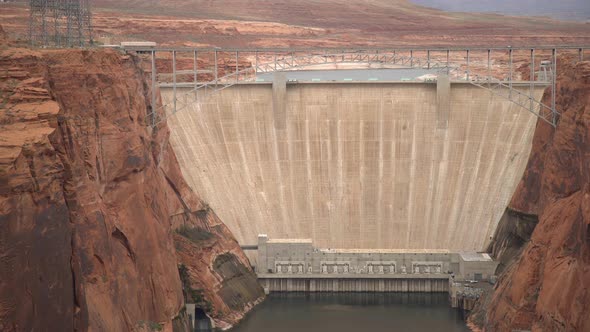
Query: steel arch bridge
x=443, y=61
x=387, y=59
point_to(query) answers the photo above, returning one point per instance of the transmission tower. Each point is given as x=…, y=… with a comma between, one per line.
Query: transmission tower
x=60, y=23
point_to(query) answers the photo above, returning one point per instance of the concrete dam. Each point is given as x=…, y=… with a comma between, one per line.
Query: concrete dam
x=358, y=165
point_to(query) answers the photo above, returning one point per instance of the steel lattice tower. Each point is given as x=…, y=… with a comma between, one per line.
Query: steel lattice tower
x=60, y=23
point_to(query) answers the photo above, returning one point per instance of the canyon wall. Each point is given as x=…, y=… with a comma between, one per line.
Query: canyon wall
x=90, y=198
x=546, y=278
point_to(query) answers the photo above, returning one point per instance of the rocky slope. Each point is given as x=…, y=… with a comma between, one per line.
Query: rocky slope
x=89, y=200
x=546, y=288
x=307, y=23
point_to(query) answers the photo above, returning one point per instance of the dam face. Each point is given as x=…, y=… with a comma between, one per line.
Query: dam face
x=355, y=165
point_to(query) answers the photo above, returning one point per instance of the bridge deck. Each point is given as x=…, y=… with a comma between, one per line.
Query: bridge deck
x=351, y=276
x=192, y=85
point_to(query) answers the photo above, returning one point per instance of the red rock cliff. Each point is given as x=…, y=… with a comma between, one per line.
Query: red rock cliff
x=89, y=200
x=547, y=287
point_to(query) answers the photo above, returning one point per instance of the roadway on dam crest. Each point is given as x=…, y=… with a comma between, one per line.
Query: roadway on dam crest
x=355, y=165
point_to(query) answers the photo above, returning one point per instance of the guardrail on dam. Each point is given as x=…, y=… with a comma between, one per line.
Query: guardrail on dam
x=408, y=165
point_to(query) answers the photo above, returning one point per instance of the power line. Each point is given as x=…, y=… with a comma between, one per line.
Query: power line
x=60, y=23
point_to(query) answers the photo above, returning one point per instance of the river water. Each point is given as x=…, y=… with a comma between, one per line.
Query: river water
x=398, y=74
x=353, y=312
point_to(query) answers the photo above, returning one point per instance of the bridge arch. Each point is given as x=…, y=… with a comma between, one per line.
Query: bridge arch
x=392, y=59
x=272, y=60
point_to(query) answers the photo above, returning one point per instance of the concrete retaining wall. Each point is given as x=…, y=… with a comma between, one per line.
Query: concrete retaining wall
x=355, y=285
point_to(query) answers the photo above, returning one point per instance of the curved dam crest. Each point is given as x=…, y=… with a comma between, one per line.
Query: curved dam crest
x=355, y=165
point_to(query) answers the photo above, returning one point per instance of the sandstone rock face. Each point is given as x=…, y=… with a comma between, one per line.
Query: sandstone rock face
x=3, y=35
x=89, y=199
x=547, y=287
x=513, y=232
x=221, y=271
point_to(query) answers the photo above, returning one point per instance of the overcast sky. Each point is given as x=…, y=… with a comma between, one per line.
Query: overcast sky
x=561, y=9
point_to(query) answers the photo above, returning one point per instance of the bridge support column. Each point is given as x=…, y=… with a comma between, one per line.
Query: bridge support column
x=443, y=101
x=279, y=100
